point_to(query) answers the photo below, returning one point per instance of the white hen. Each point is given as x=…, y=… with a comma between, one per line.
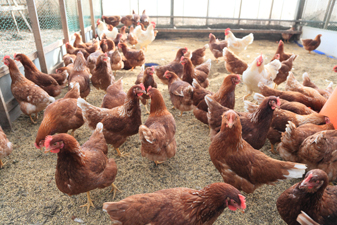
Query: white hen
x=103, y=29
x=145, y=37
x=257, y=72
x=238, y=45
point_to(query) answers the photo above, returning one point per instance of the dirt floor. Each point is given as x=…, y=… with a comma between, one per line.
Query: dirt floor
x=28, y=193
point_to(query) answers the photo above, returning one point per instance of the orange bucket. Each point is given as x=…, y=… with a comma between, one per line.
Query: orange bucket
x=330, y=108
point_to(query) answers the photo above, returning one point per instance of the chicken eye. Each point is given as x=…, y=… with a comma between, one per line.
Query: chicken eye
x=317, y=181
x=54, y=144
x=234, y=202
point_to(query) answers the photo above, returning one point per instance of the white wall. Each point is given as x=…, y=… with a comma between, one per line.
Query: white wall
x=328, y=40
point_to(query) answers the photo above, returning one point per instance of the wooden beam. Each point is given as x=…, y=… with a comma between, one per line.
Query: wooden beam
x=207, y=12
x=64, y=20
x=5, y=120
x=257, y=31
x=92, y=17
x=81, y=20
x=12, y=8
x=300, y=9
x=37, y=34
x=172, y=13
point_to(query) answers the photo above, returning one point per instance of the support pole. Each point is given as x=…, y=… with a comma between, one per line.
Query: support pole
x=271, y=11
x=300, y=9
x=23, y=17
x=37, y=34
x=240, y=11
x=81, y=20
x=172, y=13
x=5, y=120
x=92, y=16
x=207, y=13
x=329, y=12
x=64, y=20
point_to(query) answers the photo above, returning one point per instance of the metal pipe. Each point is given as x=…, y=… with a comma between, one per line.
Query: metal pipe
x=207, y=12
x=239, y=12
x=172, y=13
x=332, y=5
x=271, y=11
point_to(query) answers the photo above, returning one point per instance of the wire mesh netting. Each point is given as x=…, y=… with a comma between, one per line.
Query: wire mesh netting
x=332, y=25
x=97, y=9
x=86, y=13
x=50, y=20
x=15, y=31
x=72, y=16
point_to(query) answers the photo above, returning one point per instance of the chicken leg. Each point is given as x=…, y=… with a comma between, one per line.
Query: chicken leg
x=114, y=189
x=158, y=162
x=31, y=119
x=147, y=111
x=275, y=86
x=121, y=154
x=89, y=203
x=245, y=97
x=1, y=164
x=181, y=113
x=272, y=149
x=73, y=133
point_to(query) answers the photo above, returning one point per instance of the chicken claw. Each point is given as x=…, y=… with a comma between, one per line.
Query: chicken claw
x=31, y=119
x=272, y=149
x=173, y=107
x=114, y=189
x=181, y=113
x=89, y=203
x=245, y=97
x=158, y=162
x=1, y=164
x=121, y=154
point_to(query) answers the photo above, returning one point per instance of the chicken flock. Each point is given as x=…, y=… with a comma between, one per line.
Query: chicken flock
x=290, y=119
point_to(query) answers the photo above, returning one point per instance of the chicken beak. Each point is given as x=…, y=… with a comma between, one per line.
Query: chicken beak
x=46, y=150
x=242, y=210
x=230, y=123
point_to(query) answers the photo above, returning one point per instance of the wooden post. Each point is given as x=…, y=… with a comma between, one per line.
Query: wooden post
x=207, y=15
x=37, y=34
x=271, y=11
x=300, y=9
x=240, y=11
x=328, y=15
x=64, y=20
x=172, y=13
x=5, y=120
x=92, y=16
x=81, y=20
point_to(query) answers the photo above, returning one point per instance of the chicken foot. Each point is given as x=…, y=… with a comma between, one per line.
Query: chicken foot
x=114, y=189
x=158, y=162
x=121, y=154
x=1, y=164
x=181, y=113
x=272, y=149
x=245, y=97
x=31, y=119
x=89, y=203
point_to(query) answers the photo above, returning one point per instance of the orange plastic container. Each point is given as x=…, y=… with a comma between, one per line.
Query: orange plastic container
x=330, y=108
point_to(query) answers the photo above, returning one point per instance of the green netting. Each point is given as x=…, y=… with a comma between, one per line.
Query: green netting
x=333, y=19
x=50, y=20
x=72, y=16
x=86, y=13
x=14, y=32
x=97, y=9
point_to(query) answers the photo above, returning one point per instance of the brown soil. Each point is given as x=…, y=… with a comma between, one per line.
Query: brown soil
x=28, y=194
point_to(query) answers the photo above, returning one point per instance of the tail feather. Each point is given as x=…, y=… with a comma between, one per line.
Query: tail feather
x=250, y=107
x=145, y=134
x=304, y=219
x=292, y=84
x=195, y=84
x=206, y=46
x=297, y=171
x=288, y=134
x=259, y=98
x=248, y=39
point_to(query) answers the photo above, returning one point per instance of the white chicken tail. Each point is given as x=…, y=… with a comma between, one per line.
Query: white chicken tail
x=259, y=98
x=145, y=134
x=297, y=171
x=288, y=133
x=99, y=127
x=206, y=46
x=195, y=83
x=51, y=99
x=304, y=219
x=248, y=39
x=250, y=107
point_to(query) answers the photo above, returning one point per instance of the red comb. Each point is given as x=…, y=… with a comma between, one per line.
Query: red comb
x=105, y=54
x=67, y=43
x=152, y=67
x=280, y=43
x=47, y=141
x=182, y=57
x=243, y=201
x=239, y=78
x=56, y=70
x=278, y=102
x=149, y=88
x=14, y=55
x=97, y=21
x=6, y=57
x=142, y=86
